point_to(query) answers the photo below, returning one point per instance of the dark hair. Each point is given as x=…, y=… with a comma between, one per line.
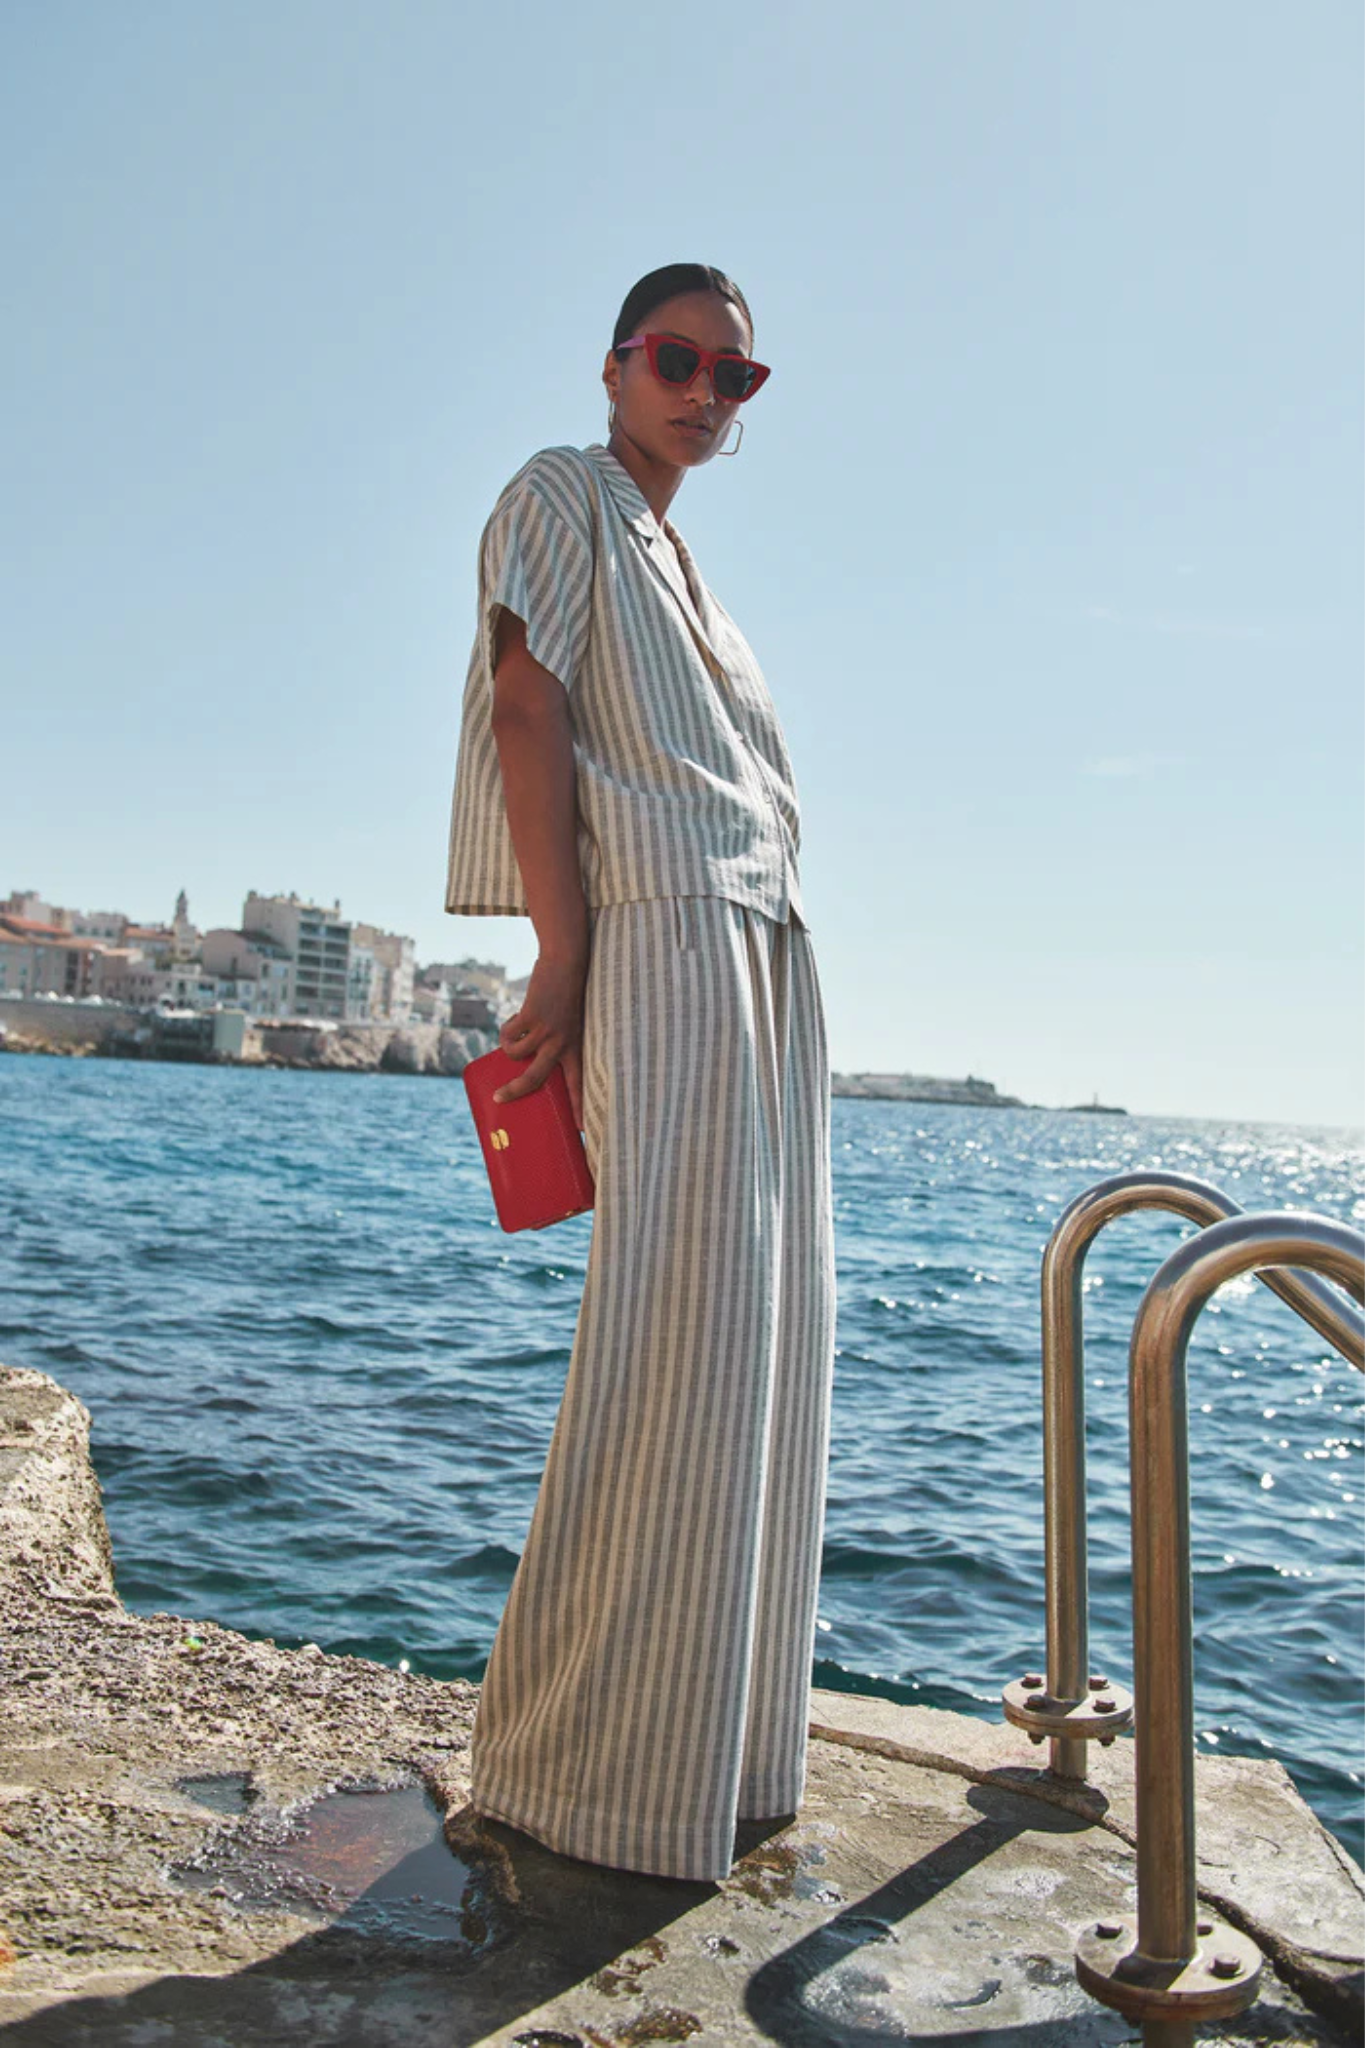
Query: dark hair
x=668, y=283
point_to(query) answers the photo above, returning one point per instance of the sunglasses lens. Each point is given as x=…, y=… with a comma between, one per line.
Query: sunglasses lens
x=733, y=377
x=677, y=363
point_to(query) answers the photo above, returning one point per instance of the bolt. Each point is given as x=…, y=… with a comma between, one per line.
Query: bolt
x=1098, y=1684
x=1107, y=1741
x=1108, y=1930
x=1226, y=1966
x=1034, y=1738
x=1031, y=1681
x=1038, y=1704
x=1106, y=1705
x=1204, y=1927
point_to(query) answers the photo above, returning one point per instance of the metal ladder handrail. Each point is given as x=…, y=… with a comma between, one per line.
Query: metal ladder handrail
x=1068, y=1699
x=1160, y=1973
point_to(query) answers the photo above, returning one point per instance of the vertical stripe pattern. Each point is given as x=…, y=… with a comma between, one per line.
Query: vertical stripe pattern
x=649, y=1681
x=684, y=783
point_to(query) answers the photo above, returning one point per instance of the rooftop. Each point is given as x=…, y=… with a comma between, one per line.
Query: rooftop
x=32, y=927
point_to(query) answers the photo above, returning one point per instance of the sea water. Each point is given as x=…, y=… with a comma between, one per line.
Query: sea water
x=323, y=1382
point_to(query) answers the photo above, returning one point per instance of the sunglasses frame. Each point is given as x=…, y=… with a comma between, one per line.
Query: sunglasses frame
x=707, y=358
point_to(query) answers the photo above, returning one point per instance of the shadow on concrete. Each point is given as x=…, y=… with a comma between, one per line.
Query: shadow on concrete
x=531, y=1924
x=809, y=1997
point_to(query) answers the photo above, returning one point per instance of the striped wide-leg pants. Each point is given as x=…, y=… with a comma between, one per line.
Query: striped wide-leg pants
x=649, y=1681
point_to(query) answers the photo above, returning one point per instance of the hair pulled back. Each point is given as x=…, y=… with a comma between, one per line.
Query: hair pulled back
x=668, y=283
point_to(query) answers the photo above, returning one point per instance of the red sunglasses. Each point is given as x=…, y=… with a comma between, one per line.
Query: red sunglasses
x=733, y=377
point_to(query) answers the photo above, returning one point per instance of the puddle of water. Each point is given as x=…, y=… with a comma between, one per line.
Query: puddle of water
x=222, y=1792
x=373, y=1862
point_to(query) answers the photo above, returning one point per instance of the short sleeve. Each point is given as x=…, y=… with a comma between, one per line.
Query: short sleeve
x=534, y=561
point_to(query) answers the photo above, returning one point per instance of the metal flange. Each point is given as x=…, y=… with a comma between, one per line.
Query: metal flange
x=1220, y=1979
x=1100, y=1714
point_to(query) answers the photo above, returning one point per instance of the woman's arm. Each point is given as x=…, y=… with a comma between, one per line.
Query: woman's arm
x=533, y=733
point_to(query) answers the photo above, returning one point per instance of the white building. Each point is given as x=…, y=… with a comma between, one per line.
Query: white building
x=360, y=981
x=109, y=925
x=127, y=977
x=318, y=942
x=29, y=905
x=16, y=964
x=155, y=942
x=186, y=936
x=394, y=972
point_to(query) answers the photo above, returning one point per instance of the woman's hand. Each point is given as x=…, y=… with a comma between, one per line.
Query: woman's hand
x=548, y=1030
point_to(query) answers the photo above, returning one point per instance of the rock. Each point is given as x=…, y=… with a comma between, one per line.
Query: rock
x=52, y=1522
x=458, y=1048
x=404, y=1054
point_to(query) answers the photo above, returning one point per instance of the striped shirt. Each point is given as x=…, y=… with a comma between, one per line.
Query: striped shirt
x=684, y=783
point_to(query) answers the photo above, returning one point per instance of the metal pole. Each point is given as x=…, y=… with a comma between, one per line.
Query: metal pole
x=1067, y=1570
x=1067, y=1565
x=1162, y=1635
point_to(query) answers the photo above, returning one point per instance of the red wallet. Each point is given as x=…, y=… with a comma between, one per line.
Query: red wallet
x=533, y=1149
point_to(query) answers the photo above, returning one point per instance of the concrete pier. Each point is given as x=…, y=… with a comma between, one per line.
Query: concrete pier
x=210, y=1842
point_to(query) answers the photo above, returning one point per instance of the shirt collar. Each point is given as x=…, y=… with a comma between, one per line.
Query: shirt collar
x=626, y=494
x=678, y=576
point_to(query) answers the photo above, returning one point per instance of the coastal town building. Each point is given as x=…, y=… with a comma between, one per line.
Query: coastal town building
x=38, y=958
x=430, y=1003
x=434, y=1002
x=360, y=981
x=290, y=958
x=342, y=970
x=141, y=984
x=114, y=971
x=473, y=1013
x=393, y=973
x=476, y=994
x=79, y=924
x=259, y=971
x=108, y=925
x=28, y=905
x=475, y=977
x=319, y=943
x=154, y=941
x=186, y=937
x=16, y=965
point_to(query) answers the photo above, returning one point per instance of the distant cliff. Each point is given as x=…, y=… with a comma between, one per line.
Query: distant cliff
x=968, y=1094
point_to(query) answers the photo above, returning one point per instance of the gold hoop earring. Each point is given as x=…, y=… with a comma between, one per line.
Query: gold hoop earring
x=735, y=449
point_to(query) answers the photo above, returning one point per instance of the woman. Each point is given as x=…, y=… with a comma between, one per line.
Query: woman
x=623, y=780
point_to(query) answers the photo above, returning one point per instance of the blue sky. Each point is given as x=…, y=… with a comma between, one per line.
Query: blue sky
x=1046, y=529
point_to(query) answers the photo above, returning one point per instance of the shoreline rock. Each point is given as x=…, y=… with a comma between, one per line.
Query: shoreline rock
x=361, y=1048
